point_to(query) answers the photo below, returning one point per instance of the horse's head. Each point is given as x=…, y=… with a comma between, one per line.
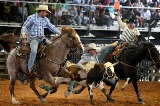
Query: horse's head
x=140, y=39
x=71, y=38
x=153, y=54
x=109, y=70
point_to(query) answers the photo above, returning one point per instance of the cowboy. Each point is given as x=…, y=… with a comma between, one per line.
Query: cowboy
x=35, y=25
x=129, y=33
x=92, y=55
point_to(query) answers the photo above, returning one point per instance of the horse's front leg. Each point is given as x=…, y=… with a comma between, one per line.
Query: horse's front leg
x=32, y=86
x=134, y=82
x=101, y=87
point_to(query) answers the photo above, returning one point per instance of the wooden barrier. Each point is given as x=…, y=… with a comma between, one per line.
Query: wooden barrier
x=3, y=67
x=154, y=74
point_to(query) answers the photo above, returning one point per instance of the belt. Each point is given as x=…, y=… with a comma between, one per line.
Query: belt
x=32, y=36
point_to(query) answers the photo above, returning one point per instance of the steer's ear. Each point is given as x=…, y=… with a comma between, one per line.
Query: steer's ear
x=102, y=67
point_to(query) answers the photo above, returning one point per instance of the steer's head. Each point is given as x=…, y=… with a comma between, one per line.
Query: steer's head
x=109, y=70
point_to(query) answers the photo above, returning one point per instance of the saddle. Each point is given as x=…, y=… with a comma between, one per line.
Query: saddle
x=116, y=51
x=24, y=51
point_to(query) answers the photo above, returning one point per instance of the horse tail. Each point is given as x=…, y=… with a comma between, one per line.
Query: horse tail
x=7, y=41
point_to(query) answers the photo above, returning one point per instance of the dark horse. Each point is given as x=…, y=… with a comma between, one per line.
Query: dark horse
x=128, y=59
x=49, y=65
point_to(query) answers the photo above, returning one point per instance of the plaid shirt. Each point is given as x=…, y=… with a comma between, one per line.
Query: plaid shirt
x=36, y=25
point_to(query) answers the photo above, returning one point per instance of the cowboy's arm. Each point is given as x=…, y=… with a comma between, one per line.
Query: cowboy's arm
x=84, y=59
x=26, y=25
x=137, y=32
x=51, y=27
x=120, y=23
x=109, y=46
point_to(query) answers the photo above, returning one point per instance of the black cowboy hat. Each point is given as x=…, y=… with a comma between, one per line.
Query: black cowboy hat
x=131, y=20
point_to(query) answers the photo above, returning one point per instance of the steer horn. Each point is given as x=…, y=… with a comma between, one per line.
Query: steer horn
x=115, y=63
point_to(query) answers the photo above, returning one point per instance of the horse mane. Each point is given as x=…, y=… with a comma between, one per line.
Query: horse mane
x=64, y=30
x=7, y=40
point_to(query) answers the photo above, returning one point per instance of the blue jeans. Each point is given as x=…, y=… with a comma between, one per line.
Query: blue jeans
x=102, y=57
x=34, y=42
x=23, y=77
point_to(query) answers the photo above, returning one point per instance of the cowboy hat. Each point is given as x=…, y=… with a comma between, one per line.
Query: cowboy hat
x=131, y=20
x=43, y=7
x=92, y=46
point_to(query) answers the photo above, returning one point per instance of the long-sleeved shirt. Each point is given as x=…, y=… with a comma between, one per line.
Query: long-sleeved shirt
x=87, y=57
x=36, y=25
x=128, y=35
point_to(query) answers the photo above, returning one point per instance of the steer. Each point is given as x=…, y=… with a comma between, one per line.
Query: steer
x=92, y=77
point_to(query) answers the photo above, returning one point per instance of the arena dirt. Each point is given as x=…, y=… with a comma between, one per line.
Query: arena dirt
x=150, y=92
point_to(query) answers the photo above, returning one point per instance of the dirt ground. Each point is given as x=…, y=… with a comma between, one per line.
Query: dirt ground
x=150, y=92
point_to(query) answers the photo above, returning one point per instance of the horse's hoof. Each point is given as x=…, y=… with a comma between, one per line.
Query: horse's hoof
x=110, y=99
x=91, y=103
x=66, y=93
x=53, y=91
x=42, y=100
x=141, y=101
x=122, y=88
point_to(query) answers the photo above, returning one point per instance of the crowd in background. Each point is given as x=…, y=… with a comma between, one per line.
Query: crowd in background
x=95, y=11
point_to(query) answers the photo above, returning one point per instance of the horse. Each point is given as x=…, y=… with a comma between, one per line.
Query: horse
x=50, y=64
x=92, y=77
x=128, y=58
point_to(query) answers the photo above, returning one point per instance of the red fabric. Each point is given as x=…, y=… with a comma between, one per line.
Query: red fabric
x=117, y=5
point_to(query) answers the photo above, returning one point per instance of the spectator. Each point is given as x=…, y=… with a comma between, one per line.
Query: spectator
x=138, y=4
x=139, y=21
x=7, y=14
x=105, y=19
x=128, y=3
x=146, y=15
x=129, y=14
x=72, y=14
x=80, y=20
x=90, y=10
x=15, y=13
x=2, y=11
x=31, y=8
x=23, y=10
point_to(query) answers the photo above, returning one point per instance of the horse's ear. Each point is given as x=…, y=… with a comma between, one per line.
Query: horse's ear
x=67, y=29
x=63, y=28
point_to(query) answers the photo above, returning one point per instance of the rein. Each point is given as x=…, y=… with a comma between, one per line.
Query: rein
x=68, y=46
x=149, y=51
x=65, y=43
x=127, y=64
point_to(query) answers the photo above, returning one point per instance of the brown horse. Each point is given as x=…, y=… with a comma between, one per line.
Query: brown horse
x=49, y=65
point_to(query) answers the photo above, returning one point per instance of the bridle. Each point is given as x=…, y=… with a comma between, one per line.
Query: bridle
x=72, y=40
x=150, y=56
x=148, y=53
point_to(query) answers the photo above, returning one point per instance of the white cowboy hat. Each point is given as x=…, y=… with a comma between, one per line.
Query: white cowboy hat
x=43, y=7
x=92, y=46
